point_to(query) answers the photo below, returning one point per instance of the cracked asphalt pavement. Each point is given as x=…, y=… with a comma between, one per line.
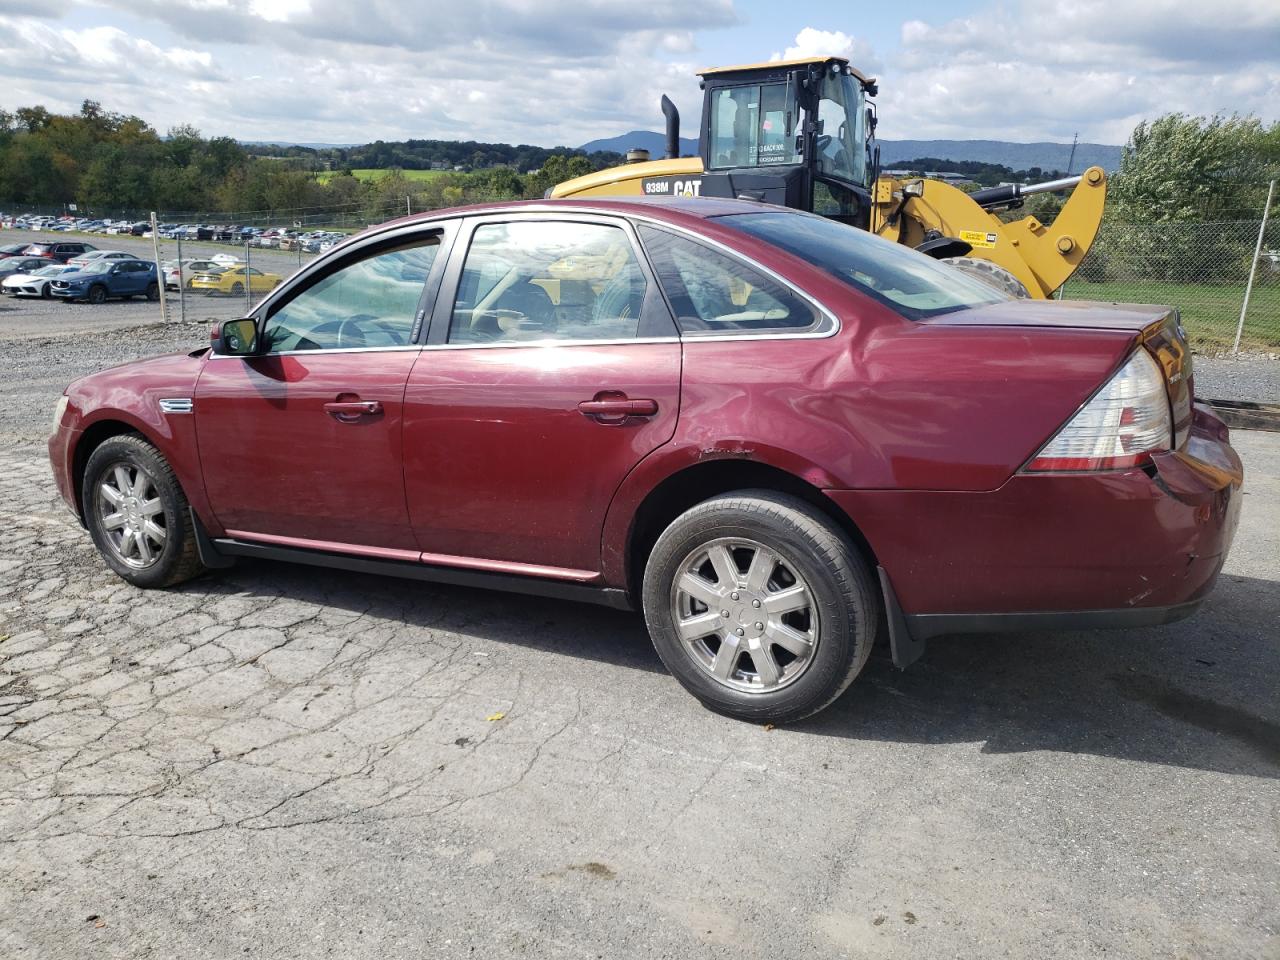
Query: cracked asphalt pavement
x=286, y=762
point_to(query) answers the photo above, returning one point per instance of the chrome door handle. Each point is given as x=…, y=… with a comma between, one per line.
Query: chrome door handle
x=349, y=411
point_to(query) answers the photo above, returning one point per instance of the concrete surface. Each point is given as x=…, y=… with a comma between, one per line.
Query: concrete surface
x=284, y=762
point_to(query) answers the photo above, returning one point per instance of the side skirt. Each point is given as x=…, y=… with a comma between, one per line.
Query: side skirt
x=222, y=553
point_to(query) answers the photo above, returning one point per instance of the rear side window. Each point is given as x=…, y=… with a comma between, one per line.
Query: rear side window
x=548, y=280
x=909, y=282
x=712, y=292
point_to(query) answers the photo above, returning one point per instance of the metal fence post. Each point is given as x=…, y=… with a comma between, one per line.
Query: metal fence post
x=248, y=285
x=182, y=279
x=1253, y=267
x=155, y=244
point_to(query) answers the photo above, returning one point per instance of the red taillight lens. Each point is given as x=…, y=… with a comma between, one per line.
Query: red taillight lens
x=1120, y=427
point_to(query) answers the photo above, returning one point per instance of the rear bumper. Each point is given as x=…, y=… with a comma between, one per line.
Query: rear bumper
x=1128, y=548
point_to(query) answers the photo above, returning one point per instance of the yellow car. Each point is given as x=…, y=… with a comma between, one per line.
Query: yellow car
x=232, y=280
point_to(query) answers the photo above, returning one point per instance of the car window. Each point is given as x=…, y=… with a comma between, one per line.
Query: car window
x=915, y=285
x=372, y=302
x=716, y=293
x=548, y=280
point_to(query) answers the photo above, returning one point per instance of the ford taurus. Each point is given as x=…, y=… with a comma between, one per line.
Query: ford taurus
x=777, y=436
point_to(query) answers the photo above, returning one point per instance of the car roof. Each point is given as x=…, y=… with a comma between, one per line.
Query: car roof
x=670, y=209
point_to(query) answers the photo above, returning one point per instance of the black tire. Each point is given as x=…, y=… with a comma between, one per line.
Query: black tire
x=992, y=274
x=846, y=602
x=97, y=294
x=153, y=292
x=178, y=560
x=45, y=294
x=237, y=289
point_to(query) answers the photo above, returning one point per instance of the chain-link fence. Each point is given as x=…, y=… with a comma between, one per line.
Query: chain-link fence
x=1203, y=269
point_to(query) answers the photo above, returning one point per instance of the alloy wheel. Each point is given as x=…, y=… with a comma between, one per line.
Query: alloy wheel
x=132, y=514
x=745, y=615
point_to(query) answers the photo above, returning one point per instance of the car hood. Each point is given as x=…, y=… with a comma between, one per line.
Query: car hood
x=171, y=373
x=1085, y=314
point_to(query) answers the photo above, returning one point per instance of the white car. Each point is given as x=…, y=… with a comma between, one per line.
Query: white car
x=178, y=274
x=225, y=259
x=36, y=283
x=92, y=255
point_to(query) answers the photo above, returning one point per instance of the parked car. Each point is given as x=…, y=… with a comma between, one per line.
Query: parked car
x=103, y=279
x=775, y=434
x=233, y=280
x=12, y=266
x=61, y=251
x=35, y=283
x=13, y=250
x=86, y=258
x=175, y=278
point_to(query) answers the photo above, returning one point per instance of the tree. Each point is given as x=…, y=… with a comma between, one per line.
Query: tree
x=1181, y=169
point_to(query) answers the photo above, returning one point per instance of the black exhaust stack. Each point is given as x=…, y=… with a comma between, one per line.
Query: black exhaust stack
x=673, y=127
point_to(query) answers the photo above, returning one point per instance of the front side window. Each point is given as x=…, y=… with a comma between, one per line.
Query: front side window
x=753, y=126
x=715, y=293
x=372, y=302
x=915, y=285
x=548, y=280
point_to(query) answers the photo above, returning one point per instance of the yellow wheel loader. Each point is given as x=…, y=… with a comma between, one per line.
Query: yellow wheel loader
x=801, y=133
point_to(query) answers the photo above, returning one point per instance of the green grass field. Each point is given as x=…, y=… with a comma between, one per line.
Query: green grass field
x=371, y=175
x=1209, y=313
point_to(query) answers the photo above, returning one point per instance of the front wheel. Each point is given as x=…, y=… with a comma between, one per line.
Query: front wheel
x=992, y=274
x=237, y=289
x=760, y=606
x=138, y=515
x=97, y=294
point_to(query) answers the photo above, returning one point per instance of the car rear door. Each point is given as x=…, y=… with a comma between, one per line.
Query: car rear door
x=552, y=368
x=301, y=445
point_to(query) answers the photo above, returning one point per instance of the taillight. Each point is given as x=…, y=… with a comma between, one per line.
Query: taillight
x=1121, y=425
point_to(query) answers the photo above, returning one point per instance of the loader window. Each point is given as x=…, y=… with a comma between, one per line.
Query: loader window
x=842, y=113
x=753, y=126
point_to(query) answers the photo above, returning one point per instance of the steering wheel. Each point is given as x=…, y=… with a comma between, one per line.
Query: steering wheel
x=347, y=329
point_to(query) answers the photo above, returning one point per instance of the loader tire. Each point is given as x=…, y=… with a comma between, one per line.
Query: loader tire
x=992, y=274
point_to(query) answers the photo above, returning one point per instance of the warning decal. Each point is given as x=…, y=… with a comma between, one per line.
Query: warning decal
x=978, y=238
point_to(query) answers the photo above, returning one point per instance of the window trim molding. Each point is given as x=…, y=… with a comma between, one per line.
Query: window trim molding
x=832, y=327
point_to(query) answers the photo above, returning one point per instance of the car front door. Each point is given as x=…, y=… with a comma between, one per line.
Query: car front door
x=552, y=368
x=301, y=443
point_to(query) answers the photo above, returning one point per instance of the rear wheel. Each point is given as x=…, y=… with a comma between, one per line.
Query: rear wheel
x=97, y=294
x=760, y=606
x=992, y=274
x=153, y=292
x=138, y=515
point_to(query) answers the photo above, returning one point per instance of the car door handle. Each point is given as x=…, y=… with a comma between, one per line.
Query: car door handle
x=617, y=409
x=349, y=411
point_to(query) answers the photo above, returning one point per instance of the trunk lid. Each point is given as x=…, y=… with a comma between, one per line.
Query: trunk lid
x=1157, y=328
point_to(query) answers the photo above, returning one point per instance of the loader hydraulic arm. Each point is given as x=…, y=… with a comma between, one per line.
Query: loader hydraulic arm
x=1041, y=257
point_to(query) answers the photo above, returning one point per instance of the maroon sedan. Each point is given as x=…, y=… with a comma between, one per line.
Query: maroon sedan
x=778, y=436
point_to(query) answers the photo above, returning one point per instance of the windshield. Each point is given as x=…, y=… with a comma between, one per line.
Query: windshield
x=909, y=282
x=753, y=126
x=842, y=113
x=98, y=266
x=50, y=271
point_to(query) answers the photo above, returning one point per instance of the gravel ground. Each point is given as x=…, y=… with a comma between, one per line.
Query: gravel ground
x=1253, y=377
x=290, y=762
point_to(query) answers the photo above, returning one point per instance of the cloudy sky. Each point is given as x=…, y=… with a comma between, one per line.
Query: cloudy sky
x=565, y=71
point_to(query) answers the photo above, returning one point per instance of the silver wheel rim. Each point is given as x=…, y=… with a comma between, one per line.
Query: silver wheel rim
x=744, y=615
x=131, y=514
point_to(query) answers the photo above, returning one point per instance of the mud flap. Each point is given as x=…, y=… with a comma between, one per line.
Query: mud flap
x=905, y=649
x=209, y=555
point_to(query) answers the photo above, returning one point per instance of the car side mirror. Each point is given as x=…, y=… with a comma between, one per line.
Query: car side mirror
x=235, y=338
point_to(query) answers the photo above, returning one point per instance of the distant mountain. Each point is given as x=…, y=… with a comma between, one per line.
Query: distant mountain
x=655, y=143
x=1015, y=156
